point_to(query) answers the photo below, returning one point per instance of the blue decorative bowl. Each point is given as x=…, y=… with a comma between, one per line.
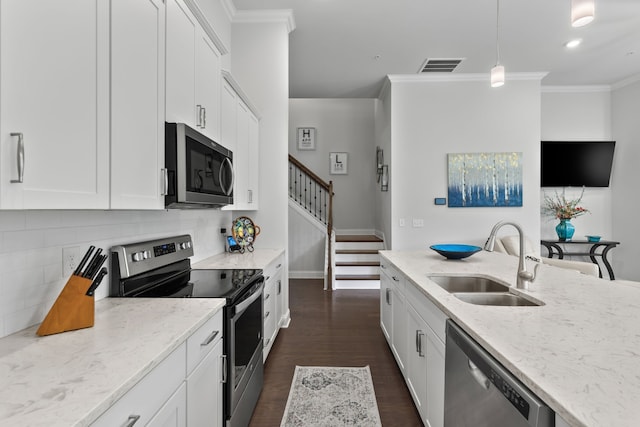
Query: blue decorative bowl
x=593, y=239
x=455, y=251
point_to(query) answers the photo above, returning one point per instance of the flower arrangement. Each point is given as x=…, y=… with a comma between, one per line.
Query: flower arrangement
x=561, y=208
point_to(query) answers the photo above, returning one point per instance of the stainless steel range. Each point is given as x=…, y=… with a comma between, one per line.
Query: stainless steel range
x=162, y=269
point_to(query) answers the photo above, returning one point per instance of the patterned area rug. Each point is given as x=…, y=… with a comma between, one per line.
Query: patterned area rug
x=331, y=397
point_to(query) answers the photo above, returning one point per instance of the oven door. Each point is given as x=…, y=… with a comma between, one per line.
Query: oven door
x=244, y=354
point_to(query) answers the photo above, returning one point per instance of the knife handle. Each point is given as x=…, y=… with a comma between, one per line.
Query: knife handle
x=96, y=282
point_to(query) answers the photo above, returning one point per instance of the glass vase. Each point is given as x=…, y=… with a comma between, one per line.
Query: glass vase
x=565, y=230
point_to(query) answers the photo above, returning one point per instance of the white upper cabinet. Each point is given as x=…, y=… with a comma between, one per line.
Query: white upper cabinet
x=54, y=108
x=240, y=132
x=193, y=72
x=137, y=104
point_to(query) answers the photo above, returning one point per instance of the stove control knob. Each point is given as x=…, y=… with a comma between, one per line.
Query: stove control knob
x=138, y=256
x=184, y=245
x=146, y=254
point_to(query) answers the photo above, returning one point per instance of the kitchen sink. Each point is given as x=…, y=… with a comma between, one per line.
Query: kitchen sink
x=456, y=284
x=500, y=299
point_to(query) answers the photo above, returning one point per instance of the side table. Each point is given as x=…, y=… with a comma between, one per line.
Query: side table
x=554, y=248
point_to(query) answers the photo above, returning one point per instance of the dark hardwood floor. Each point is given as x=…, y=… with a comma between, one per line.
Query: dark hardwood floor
x=339, y=328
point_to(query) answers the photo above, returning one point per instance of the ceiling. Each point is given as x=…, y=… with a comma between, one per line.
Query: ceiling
x=344, y=48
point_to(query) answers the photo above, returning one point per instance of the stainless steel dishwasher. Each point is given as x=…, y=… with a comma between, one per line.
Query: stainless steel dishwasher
x=479, y=392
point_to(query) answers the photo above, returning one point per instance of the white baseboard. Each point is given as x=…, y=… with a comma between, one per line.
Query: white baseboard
x=306, y=275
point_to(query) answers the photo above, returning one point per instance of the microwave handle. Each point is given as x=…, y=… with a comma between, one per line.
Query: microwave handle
x=229, y=189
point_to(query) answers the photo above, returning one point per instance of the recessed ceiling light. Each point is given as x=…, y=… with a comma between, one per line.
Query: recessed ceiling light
x=571, y=44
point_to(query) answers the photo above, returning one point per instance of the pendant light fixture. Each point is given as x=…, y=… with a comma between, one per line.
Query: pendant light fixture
x=497, y=72
x=582, y=12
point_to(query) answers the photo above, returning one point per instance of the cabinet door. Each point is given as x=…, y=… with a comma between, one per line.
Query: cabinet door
x=228, y=126
x=204, y=391
x=270, y=327
x=253, y=155
x=399, y=339
x=240, y=158
x=137, y=103
x=416, y=373
x=435, y=379
x=385, y=303
x=54, y=81
x=182, y=28
x=174, y=412
x=207, y=86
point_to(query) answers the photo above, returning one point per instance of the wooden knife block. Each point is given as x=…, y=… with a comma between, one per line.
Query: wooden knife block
x=72, y=310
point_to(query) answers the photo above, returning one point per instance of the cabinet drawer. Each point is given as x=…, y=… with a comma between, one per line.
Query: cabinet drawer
x=272, y=269
x=203, y=340
x=145, y=398
x=431, y=314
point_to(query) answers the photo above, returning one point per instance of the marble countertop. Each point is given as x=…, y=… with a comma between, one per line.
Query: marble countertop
x=69, y=379
x=259, y=258
x=579, y=352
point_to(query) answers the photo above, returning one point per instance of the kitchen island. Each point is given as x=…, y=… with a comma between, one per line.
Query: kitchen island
x=70, y=379
x=579, y=352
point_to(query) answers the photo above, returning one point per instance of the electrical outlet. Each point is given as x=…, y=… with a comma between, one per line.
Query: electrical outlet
x=418, y=222
x=402, y=223
x=70, y=260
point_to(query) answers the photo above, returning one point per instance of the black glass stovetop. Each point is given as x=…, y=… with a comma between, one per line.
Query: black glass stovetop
x=228, y=284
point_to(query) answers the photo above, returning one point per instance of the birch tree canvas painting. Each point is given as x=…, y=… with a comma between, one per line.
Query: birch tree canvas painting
x=485, y=179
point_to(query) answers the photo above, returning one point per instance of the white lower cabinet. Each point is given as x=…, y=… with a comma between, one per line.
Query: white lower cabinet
x=204, y=391
x=141, y=403
x=185, y=389
x=273, y=302
x=414, y=328
x=173, y=412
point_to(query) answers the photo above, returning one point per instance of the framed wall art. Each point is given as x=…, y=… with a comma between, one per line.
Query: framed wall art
x=306, y=138
x=338, y=163
x=485, y=179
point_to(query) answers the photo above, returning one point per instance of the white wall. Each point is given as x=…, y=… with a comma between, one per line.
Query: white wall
x=431, y=117
x=342, y=125
x=626, y=203
x=571, y=114
x=31, y=244
x=260, y=64
x=307, y=240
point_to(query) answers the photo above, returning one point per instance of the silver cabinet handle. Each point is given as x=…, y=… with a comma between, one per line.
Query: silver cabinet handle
x=266, y=297
x=210, y=338
x=266, y=342
x=132, y=420
x=165, y=185
x=279, y=287
x=419, y=350
x=278, y=266
x=199, y=115
x=204, y=117
x=267, y=314
x=388, y=295
x=395, y=279
x=250, y=196
x=224, y=368
x=20, y=158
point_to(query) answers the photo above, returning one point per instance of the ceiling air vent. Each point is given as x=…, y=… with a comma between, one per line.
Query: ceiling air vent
x=440, y=65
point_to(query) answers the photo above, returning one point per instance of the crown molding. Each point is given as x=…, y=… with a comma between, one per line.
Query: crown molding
x=229, y=8
x=242, y=94
x=460, y=77
x=576, y=89
x=206, y=26
x=255, y=16
x=626, y=82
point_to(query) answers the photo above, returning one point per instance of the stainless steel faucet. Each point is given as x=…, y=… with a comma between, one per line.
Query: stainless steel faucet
x=524, y=277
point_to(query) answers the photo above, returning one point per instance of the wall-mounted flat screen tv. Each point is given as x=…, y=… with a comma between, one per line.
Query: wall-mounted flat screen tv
x=576, y=163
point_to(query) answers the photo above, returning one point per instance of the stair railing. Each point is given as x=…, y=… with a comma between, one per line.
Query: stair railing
x=316, y=197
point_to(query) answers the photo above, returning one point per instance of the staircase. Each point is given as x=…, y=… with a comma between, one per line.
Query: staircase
x=357, y=264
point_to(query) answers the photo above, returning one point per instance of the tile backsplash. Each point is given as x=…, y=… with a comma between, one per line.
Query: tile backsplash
x=31, y=244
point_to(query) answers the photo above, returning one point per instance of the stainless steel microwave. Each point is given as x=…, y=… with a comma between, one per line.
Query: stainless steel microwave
x=199, y=171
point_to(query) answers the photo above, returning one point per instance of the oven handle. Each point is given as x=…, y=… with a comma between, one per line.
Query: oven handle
x=240, y=308
x=227, y=191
